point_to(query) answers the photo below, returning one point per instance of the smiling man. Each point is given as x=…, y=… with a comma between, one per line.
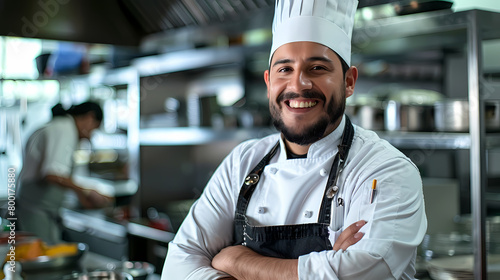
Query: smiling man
x=299, y=204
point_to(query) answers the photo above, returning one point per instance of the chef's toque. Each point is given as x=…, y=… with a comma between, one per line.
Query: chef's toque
x=328, y=22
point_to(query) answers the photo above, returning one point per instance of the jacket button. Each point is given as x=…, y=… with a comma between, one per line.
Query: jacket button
x=323, y=172
x=308, y=214
x=273, y=170
x=261, y=210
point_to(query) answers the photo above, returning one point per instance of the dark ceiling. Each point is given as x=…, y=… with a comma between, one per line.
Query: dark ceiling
x=123, y=22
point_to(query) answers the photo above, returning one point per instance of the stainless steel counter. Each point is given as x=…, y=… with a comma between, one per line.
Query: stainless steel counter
x=89, y=262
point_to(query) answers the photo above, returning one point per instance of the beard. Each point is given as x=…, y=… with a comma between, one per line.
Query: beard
x=314, y=132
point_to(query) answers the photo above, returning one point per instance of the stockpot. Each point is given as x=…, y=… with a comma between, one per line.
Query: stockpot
x=366, y=111
x=411, y=110
x=452, y=115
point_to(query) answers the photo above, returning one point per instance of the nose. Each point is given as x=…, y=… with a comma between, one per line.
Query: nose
x=300, y=81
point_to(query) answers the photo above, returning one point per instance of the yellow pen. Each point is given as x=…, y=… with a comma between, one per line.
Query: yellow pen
x=374, y=189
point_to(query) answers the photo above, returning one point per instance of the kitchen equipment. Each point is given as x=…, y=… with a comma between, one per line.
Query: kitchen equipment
x=406, y=7
x=411, y=110
x=46, y=263
x=104, y=237
x=445, y=245
x=464, y=224
x=99, y=275
x=12, y=271
x=138, y=270
x=492, y=115
x=452, y=115
x=402, y=117
x=366, y=111
x=461, y=267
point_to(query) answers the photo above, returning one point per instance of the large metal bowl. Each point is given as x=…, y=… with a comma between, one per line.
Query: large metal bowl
x=45, y=262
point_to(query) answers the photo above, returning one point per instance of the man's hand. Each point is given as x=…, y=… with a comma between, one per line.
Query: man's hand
x=349, y=236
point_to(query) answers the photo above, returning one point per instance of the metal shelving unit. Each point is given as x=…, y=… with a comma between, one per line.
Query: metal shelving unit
x=125, y=77
x=445, y=30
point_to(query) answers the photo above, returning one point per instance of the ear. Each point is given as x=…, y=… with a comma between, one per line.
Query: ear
x=266, y=79
x=351, y=76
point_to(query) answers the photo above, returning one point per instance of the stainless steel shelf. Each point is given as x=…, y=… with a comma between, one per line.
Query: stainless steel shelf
x=140, y=230
x=426, y=140
x=186, y=60
x=177, y=136
x=422, y=31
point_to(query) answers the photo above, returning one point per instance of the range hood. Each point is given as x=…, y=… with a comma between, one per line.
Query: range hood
x=118, y=22
x=127, y=22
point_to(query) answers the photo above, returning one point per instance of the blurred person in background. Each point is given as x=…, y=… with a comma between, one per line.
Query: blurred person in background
x=47, y=170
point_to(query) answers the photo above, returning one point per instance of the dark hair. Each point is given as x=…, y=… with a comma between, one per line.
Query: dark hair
x=345, y=67
x=78, y=110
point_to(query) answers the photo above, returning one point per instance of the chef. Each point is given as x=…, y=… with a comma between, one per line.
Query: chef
x=322, y=199
x=47, y=170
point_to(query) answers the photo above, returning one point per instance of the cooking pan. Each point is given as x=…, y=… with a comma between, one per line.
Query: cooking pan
x=46, y=262
x=452, y=115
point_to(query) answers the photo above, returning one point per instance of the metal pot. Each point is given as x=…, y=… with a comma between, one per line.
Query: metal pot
x=99, y=275
x=408, y=117
x=367, y=116
x=453, y=115
x=366, y=111
x=492, y=115
x=138, y=270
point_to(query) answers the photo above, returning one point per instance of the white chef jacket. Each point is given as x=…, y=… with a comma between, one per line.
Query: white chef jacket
x=49, y=151
x=290, y=192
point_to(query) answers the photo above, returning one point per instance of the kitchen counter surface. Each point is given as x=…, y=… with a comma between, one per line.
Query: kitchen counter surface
x=89, y=262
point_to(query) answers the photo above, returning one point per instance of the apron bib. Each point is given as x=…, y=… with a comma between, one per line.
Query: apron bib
x=291, y=241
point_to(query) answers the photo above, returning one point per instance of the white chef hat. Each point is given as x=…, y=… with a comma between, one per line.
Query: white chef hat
x=328, y=22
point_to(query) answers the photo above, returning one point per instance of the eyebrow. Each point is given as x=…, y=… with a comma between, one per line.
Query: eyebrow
x=310, y=59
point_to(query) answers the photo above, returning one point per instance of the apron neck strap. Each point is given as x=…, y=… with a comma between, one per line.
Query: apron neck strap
x=338, y=165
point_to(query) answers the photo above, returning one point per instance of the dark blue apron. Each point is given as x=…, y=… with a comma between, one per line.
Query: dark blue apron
x=290, y=241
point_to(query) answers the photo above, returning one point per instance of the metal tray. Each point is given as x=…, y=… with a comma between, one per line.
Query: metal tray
x=45, y=262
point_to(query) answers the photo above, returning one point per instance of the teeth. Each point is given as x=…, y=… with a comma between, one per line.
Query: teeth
x=301, y=104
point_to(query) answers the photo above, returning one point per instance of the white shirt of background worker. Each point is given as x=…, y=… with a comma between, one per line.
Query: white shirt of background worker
x=47, y=170
x=307, y=82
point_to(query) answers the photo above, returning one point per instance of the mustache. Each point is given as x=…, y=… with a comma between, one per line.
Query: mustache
x=305, y=94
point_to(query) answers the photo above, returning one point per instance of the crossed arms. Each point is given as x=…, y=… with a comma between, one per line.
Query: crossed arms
x=243, y=263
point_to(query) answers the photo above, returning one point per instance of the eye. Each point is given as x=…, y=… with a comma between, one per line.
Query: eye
x=284, y=69
x=319, y=67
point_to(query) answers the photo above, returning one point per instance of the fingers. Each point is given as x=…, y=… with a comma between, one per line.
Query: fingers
x=349, y=236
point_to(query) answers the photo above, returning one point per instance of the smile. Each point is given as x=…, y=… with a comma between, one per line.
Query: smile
x=302, y=104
